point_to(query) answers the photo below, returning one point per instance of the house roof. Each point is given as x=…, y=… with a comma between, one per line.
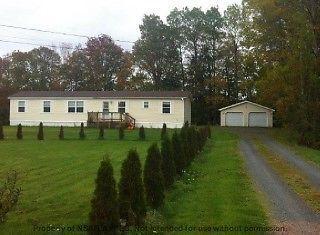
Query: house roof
x=244, y=102
x=101, y=94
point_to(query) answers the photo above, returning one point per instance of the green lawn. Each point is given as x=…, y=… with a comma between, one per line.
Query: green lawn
x=217, y=190
x=290, y=138
x=57, y=179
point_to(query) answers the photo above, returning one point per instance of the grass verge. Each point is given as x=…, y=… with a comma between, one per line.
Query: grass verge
x=290, y=138
x=295, y=178
x=216, y=190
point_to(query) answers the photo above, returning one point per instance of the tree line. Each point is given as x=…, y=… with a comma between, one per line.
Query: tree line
x=266, y=51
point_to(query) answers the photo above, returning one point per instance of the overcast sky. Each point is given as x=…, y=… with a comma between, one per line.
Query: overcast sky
x=118, y=18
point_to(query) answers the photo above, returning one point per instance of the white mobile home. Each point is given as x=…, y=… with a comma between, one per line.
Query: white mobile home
x=70, y=108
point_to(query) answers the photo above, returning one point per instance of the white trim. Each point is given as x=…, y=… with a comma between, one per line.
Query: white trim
x=244, y=102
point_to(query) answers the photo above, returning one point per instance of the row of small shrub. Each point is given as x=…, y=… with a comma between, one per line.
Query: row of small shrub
x=115, y=209
x=82, y=135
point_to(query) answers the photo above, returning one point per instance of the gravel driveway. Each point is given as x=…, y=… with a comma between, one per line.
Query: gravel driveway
x=308, y=169
x=286, y=207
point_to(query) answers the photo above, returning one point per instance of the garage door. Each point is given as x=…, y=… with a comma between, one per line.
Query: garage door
x=234, y=119
x=258, y=120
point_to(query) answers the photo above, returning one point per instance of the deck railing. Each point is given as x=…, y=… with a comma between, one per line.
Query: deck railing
x=110, y=119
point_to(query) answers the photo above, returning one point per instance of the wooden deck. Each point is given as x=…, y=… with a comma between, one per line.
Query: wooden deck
x=110, y=120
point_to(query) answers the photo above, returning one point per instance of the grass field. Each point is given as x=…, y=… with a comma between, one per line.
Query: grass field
x=290, y=138
x=57, y=179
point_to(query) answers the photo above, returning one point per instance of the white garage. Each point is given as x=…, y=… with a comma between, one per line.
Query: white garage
x=247, y=114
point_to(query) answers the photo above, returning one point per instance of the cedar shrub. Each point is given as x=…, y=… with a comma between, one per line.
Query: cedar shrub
x=168, y=168
x=132, y=205
x=178, y=153
x=101, y=132
x=1, y=132
x=121, y=132
x=153, y=178
x=82, y=135
x=104, y=204
x=40, y=132
x=164, y=130
x=142, y=135
x=61, y=133
x=19, y=132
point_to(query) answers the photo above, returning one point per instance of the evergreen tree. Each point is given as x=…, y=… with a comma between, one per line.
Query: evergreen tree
x=168, y=168
x=177, y=153
x=19, y=132
x=104, y=204
x=82, y=135
x=40, y=132
x=101, y=133
x=131, y=191
x=121, y=132
x=164, y=130
x=61, y=133
x=185, y=146
x=208, y=131
x=142, y=135
x=153, y=178
x=1, y=132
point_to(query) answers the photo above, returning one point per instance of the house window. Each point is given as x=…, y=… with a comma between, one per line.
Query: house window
x=145, y=104
x=71, y=106
x=105, y=107
x=75, y=106
x=121, y=107
x=46, y=106
x=21, y=106
x=79, y=106
x=166, y=107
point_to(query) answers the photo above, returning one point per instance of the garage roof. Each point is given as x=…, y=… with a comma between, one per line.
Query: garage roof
x=244, y=102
